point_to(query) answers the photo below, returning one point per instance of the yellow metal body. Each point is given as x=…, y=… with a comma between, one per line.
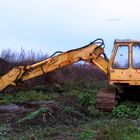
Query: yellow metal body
x=124, y=76
x=90, y=53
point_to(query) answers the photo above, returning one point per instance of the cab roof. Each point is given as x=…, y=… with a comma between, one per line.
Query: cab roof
x=126, y=41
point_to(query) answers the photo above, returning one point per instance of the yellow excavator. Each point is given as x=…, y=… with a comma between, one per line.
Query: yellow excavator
x=122, y=69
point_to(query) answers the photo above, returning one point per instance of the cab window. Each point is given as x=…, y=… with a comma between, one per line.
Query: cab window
x=136, y=56
x=121, y=58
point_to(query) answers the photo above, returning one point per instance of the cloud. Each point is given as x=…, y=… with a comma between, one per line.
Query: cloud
x=114, y=19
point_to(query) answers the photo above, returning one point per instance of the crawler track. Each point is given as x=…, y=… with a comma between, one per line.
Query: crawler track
x=106, y=99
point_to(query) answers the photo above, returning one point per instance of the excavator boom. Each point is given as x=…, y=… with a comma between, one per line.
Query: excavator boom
x=92, y=53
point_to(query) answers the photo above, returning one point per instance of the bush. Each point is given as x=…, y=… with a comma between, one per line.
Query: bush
x=127, y=109
x=93, y=111
x=87, y=99
x=122, y=111
x=137, y=112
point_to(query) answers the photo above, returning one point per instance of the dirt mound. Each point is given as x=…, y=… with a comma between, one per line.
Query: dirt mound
x=52, y=113
x=12, y=112
x=43, y=113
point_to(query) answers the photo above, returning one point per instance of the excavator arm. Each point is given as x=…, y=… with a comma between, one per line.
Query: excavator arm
x=92, y=53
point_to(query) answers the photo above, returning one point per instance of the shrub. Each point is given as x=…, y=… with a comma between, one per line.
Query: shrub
x=122, y=111
x=127, y=109
x=137, y=112
x=87, y=98
x=93, y=111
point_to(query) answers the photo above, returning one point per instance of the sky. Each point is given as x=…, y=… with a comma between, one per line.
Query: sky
x=60, y=25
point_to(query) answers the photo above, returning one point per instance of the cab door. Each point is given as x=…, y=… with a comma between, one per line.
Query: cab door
x=135, y=71
x=120, y=71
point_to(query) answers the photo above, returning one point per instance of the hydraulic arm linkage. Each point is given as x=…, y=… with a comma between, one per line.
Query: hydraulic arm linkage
x=90, y=53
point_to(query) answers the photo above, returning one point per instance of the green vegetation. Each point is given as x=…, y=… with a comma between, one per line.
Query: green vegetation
x=86, y=135
x=69, y=109
x=127, y=109
x=28, y=133
x=33, y=114
x=22, y=96
x=76, y=118
x=119, y=130
x=87, y=98
x=99, y=129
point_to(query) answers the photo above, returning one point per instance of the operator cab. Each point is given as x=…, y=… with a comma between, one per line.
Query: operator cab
x=125, y=63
